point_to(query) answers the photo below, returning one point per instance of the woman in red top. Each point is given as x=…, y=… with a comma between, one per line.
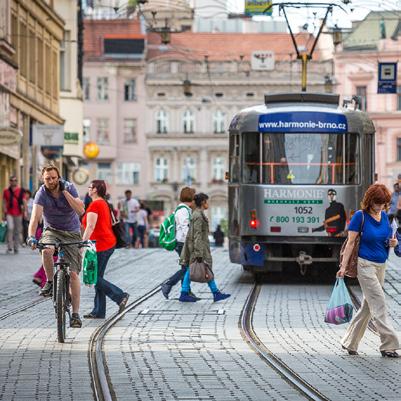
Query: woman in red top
x=97, y=224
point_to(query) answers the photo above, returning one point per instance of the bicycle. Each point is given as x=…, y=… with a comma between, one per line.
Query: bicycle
x=61, y=284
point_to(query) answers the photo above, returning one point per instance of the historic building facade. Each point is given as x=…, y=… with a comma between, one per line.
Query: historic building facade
x=356, y=68
x=194, y=87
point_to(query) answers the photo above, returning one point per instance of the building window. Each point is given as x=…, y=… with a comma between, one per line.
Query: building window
x=129, y=130
x=103, y=131
x=41, y=67
x=361, y=91
x=65, y=62
x=86, y=88
x=188, y=170
x=23, y=50
x=128, y=173
x=218, y=169
x=218, y=213
x=102, y=88
x=104, y=172
x=32, y=56
x=161, y=169
x=162, y=122
x=188, y=121
x=219, y=122
x=398, y=97
x=129, y=90
x=86, y=129
x=399, y=149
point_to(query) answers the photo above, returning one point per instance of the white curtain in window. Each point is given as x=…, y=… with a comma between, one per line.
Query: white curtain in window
x=188, y=121
x=218, y=168
x=188, y=170
x=219, y=121
x=162, y=121
x=161, y=169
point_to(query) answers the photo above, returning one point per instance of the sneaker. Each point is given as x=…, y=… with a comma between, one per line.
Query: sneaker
x=75, y=321
x=219, y=296
x=15, y=250
x=123, y=303
x=185, y=297
x=47, y=290
x=9, y=251
x=166, y=288
x=193, y=295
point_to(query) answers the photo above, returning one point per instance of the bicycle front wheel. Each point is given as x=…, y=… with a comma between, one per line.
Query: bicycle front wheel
x=61, y=310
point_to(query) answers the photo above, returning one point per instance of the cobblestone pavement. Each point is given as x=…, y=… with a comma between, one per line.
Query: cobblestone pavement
x=33, y=365
x=289, y=321
x=167, y=350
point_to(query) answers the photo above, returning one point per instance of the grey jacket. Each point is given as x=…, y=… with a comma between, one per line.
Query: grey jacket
x=197, y=240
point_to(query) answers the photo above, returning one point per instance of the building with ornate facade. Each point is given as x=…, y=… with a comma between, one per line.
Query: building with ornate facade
x=376, y=38
x=194, y=86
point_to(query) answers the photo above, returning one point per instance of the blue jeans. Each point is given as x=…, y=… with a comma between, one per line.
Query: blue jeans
x=104, y=287
x=178, y=275
x=131, y=240
x=141, y=235
x=186, y=283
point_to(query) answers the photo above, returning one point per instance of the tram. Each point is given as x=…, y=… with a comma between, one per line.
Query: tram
x=298, y=168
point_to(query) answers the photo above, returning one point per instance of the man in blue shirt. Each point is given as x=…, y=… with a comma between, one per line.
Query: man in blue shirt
x=59, y=204
x=393, y=210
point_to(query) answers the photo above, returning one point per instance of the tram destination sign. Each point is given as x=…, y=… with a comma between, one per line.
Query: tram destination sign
x=303, y=121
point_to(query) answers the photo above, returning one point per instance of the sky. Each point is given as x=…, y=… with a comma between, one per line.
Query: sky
x=356, y=10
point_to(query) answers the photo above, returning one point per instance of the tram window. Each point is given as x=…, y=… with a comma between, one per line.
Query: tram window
x=234, y=158
x=251, y=158
x=310, y=159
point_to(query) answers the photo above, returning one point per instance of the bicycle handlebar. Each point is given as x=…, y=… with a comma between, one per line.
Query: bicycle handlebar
x=59, y=244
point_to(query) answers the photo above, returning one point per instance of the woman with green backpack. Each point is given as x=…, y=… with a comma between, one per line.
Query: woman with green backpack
x=175, y=234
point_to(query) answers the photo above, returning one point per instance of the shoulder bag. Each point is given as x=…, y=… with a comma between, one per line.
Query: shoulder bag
x=351, y=270
x=200, y=272
x=118, y=229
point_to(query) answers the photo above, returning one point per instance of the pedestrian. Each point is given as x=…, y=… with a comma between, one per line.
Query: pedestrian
x=14, y=206
x=143, y=225
x=376, y=238
x=27, y=214
x=197, y=248
x=393, y=211
x=182, y=218
x=218, y=236
x=97, y=224
x=59, y=204
x=129, y=208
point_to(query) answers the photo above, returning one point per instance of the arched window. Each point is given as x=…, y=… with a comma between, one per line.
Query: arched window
x=162, y=121
x=188, y=170
x=161, y=169
x=188, y=121
x=219, y=122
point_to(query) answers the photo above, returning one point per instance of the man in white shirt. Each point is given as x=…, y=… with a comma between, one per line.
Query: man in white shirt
x=128, y=211
x=182, y=219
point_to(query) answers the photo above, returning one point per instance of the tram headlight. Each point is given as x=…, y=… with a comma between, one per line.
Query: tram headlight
x=253, y=222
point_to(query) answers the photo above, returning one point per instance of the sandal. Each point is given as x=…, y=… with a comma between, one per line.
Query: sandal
x=390, y=354
x=350, y=351
x=91, y=315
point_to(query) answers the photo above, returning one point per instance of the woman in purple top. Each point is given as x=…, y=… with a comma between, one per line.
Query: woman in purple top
x=376, y=239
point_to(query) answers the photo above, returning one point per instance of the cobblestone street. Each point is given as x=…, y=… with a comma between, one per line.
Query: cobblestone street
x=166, y=350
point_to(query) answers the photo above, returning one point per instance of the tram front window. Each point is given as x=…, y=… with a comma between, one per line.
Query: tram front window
x=301, y=158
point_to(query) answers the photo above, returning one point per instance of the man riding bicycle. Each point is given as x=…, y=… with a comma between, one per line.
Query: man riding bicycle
x=58, y=202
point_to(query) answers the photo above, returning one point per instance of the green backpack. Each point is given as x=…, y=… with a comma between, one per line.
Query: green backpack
x=167, y=231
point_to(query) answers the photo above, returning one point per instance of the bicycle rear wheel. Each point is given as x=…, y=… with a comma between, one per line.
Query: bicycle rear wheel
x=61, y=309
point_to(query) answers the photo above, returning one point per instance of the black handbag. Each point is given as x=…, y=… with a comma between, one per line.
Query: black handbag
x=118, y=230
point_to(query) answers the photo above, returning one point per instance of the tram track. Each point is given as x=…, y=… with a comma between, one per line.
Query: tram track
x=101, y=384
x=249, y=335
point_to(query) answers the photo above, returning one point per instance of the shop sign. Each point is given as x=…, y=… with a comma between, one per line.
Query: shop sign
x=47, y=135
x=71, y=138
x=9, y=136
x=258, y=7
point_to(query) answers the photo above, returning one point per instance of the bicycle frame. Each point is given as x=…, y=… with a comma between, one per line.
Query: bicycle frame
x=62, y=264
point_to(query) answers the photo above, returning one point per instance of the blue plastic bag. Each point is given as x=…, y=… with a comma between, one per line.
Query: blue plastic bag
x=339, y=309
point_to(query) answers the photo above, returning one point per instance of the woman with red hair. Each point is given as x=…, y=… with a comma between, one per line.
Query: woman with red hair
x=376, y=239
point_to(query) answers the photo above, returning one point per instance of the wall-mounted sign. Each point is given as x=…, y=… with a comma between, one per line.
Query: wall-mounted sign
x=71, y=138
x=51, y=152
x=47, y=135
x=262, y=60
x=91, y=150
x=9, y=136
x=387, y=78
x=258, y=7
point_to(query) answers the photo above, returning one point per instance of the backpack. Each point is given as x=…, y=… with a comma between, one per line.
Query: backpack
x=167, y=231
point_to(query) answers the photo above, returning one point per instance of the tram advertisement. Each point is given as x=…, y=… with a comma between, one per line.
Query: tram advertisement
x=310, y=212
